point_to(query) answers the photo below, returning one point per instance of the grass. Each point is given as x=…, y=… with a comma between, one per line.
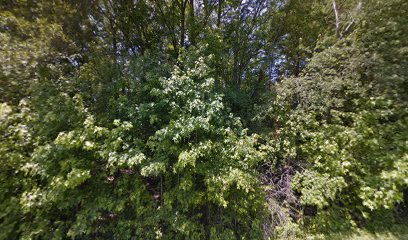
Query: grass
x=396, y=232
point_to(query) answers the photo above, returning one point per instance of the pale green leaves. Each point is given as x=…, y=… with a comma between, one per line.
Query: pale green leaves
x=153, y=169
x=220, y=186
x=316, y=188
x=107, y=143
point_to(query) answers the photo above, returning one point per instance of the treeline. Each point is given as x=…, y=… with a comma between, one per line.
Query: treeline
x=202, y=119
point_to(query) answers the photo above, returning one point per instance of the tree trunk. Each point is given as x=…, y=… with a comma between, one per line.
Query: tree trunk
x=219, y=13
x=193, y=32
x=183, y=23
x=337, y=16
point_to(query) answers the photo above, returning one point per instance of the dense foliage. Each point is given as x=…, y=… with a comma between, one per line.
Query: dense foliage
x=213, y=119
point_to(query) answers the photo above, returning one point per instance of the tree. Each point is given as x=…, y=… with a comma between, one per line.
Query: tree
x=203, y=161
x=342, y=124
